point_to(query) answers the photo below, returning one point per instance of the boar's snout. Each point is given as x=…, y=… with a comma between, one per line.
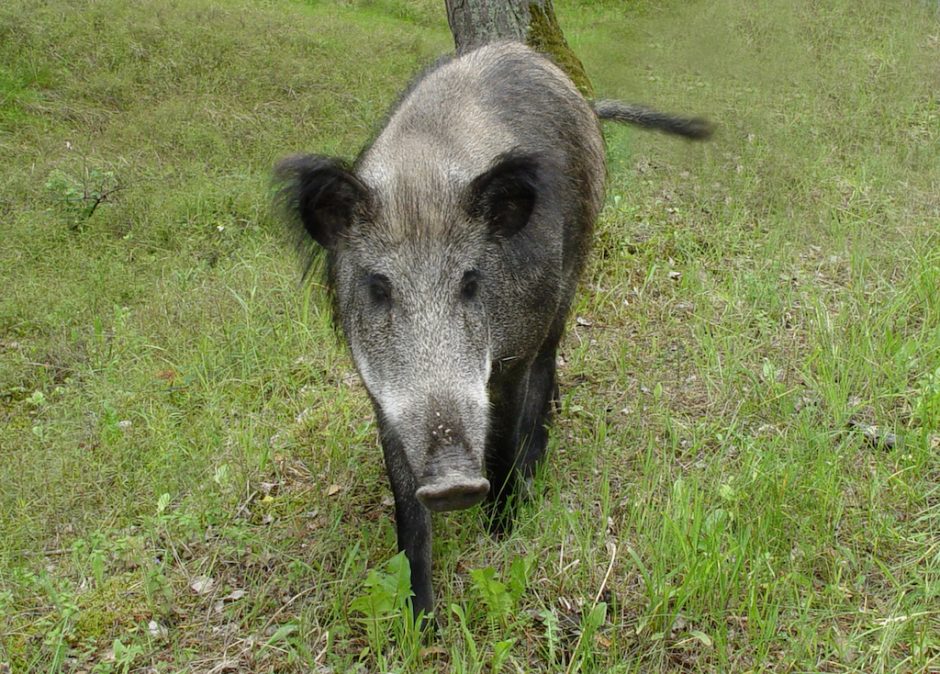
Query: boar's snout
x=453, y=492
x=452, y=479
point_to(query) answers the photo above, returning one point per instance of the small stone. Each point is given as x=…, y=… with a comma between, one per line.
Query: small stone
x=202, y=585
x=156, y=630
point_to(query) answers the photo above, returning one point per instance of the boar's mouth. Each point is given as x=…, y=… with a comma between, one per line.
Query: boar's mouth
x=453, y=492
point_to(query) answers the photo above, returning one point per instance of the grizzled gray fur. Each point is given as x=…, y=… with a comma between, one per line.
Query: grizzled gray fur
x=454, y=246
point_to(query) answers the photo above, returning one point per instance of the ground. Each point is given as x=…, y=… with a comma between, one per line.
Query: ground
x=189, y=472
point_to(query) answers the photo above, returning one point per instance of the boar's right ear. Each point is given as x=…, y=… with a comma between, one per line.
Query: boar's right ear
x=505, y=195
x=321, y=193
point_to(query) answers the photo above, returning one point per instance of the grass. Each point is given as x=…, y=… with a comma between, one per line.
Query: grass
x=189, y=468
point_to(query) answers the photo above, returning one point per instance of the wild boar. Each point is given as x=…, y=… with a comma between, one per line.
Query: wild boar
x=454, y=245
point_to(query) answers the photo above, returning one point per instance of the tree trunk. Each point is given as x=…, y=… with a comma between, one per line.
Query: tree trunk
x=476, y=22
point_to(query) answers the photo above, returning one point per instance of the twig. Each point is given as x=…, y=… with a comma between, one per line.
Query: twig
x=100, y=198
x=610, y=567
x=597, y=598
x=244, y=505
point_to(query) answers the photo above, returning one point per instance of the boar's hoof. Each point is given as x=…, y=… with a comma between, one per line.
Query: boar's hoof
x=453, y=493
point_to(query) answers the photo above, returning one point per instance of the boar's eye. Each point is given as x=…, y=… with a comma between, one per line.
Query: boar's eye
x=469, y=285
x=380, y=288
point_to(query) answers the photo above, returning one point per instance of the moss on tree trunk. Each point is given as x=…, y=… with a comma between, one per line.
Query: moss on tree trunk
x=476, y=22
x=545, y=35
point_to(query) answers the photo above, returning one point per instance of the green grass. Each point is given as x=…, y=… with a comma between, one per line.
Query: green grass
x=189, y=472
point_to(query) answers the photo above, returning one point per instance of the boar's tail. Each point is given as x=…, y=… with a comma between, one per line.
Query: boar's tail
x=696, y=128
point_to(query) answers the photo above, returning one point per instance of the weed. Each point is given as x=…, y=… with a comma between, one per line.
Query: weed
x=387, y=613
x=79, y=198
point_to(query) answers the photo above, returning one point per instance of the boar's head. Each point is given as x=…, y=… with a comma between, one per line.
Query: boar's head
x=417, y=263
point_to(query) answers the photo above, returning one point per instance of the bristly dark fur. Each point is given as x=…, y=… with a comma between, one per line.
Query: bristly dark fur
x=289, y=183
x=287, y=197
x=317, y=196
x=505, y=195
x=695, y=128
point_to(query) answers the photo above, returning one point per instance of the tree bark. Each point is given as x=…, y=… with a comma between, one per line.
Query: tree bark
x=477, y=22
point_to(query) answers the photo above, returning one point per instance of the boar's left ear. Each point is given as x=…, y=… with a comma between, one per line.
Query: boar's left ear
x=321, y=193
x=505, y=195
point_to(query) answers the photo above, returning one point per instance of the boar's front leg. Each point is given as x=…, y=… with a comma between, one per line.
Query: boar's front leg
x=536, y=402
x=519, y=436
x=413, y=522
